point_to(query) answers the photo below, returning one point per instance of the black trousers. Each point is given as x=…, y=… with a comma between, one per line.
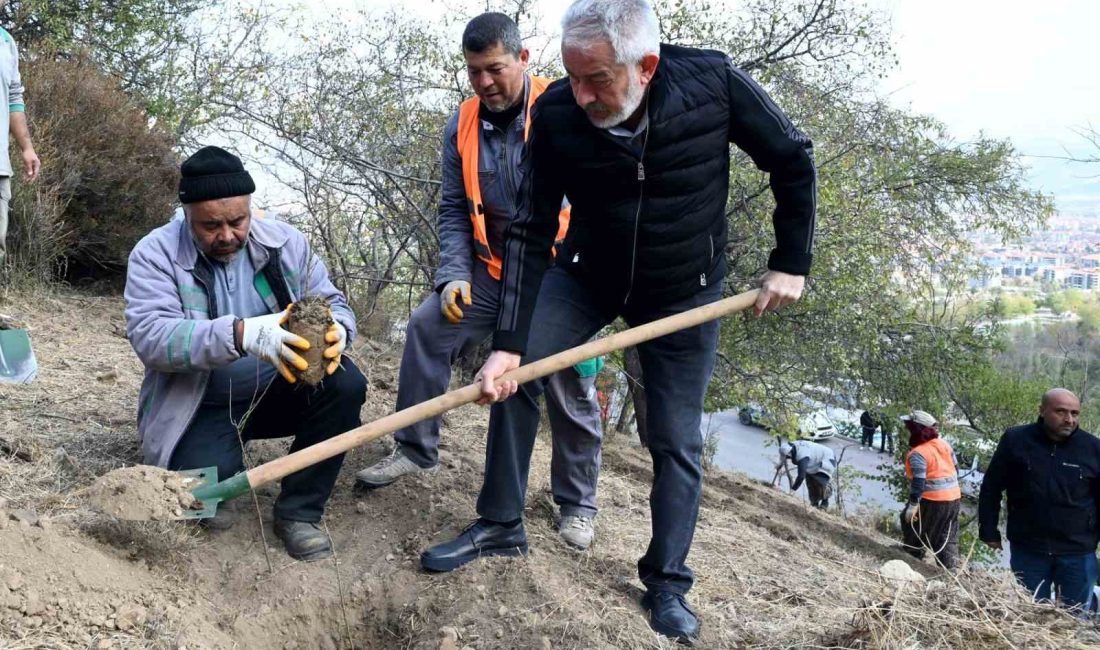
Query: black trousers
x=820, y=488
x=676, y=367
x=936, y=530
x=309, y=414
x=867, y=438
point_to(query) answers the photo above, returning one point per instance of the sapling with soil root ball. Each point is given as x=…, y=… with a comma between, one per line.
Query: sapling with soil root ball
x=310, y=318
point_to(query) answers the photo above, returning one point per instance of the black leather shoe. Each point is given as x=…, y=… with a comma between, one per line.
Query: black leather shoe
x=481, y=538
x=669, y=615
x=303, y=540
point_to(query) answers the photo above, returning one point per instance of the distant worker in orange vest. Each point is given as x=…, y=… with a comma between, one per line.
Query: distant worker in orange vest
x=482, y=148
x=930, y=520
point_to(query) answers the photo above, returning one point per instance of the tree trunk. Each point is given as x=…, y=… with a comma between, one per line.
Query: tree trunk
x=626, y=412
x=637, y=392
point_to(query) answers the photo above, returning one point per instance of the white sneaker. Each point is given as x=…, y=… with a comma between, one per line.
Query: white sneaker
x=577, y=531
x=389, y=469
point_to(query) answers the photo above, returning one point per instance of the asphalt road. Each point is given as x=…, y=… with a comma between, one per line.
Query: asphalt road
x=753, y=451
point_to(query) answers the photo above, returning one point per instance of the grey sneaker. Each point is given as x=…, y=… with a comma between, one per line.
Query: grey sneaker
x=389, y=469
x=577, y=531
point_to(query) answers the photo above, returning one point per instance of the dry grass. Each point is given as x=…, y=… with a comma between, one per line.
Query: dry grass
x=76, y=419
x=770, y=571
x=972, y=609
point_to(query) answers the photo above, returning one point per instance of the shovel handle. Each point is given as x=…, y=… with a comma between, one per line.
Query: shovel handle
x=280, y=467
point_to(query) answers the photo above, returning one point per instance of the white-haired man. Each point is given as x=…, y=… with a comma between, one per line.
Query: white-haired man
x=638, y=138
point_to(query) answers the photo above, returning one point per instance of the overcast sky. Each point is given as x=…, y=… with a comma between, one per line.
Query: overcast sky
x=1022, y=70
x=1027, y=71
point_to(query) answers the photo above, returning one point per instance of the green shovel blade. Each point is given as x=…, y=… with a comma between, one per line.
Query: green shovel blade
x=210, y=492
x=207, y=476
x=17, y=362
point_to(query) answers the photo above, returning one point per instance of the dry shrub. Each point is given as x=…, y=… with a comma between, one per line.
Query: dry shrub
x=974, y=609
x=108, y=175
x=36, y=237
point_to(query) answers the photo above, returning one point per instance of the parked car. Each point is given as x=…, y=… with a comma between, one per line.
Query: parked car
x=814, y=424
x=752, y=415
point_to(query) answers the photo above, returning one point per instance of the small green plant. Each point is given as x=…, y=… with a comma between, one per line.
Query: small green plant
x=710, y=445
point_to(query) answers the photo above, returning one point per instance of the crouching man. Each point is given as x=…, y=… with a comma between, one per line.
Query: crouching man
x=206, y=297
x=816, y=466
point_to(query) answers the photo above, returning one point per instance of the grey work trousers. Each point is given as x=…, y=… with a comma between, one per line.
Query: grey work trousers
x=432, y=345
x=5, y=200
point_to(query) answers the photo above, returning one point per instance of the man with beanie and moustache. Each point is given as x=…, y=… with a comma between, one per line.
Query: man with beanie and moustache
x=1050, y=472
x=930, y=519
x=206, y=297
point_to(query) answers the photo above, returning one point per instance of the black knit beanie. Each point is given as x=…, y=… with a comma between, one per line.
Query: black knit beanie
x=213, y=173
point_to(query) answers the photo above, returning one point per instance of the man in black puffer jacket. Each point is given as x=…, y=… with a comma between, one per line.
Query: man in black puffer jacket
x=638, y=139
x=1051, y=472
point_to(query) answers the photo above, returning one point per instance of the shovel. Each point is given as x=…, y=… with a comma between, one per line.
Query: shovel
x=211, y=492
x=17, y=362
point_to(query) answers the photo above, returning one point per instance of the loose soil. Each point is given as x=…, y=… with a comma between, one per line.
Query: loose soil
x=771, y=572
x=143, y=493
x=310, y=318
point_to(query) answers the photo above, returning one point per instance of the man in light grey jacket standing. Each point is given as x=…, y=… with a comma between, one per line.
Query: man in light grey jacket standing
x=816, y=466
x=13, y=121
x=206, y=297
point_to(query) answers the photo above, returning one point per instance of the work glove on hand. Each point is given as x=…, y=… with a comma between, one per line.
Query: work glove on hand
x=338, y=337
x=448, y=299
x=911, y=513
x=265, y=338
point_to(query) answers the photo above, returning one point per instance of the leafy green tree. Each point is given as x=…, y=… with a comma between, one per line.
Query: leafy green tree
x=1090, y=315
x=1067, y=300
x=354, y=117
x=173, y=57
x=1017, y=305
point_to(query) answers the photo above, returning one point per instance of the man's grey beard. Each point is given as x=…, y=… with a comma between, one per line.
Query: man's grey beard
x=502, y=108
x=635, y=95
x=223, y=259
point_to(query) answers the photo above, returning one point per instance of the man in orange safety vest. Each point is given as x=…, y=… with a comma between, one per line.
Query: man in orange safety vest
x=930, y=520
x=482, y=146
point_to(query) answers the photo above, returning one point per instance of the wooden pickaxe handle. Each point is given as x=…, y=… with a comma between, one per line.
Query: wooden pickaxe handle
x=280, y=467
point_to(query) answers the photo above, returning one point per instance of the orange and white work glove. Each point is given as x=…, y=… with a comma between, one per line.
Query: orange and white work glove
x=264, y=337
x=337, y=336
x=448, y=300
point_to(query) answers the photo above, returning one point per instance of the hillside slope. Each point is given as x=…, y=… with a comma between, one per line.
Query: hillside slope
x=771, y=573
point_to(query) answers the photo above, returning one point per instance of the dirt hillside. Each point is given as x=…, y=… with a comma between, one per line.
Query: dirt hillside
x=771, y=573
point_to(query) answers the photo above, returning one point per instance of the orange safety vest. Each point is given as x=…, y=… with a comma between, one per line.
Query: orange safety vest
x=942, y=481
x=469, y=128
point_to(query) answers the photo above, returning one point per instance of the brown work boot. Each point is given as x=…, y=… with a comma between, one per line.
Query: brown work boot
x=303, y=540
x=224, y=518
